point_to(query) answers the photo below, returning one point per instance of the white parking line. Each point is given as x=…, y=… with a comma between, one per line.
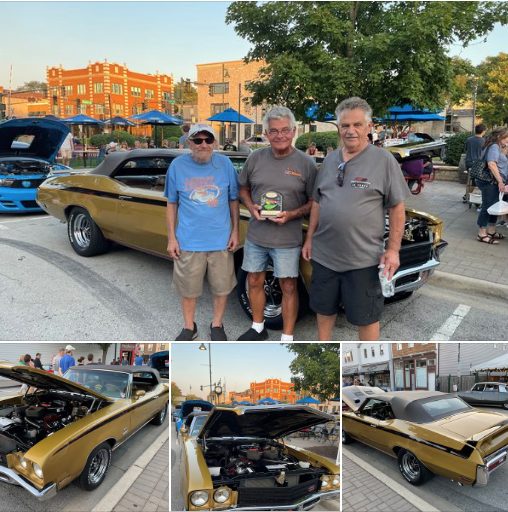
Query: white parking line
x=445, y=332
x=412, y=498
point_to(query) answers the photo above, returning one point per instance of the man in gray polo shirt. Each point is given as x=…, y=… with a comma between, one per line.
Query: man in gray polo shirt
x=287, y=172
x=355, y=186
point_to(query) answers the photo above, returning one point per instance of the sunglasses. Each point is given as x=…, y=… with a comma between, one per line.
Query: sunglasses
x=208, y=140
x=341, y=170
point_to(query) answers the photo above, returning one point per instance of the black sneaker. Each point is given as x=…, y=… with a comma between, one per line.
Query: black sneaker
x=187, y=334
x=253, y=335
x=218, y=333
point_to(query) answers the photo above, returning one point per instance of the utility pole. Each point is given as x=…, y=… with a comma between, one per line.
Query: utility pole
x=239, y=107
x=9, y=112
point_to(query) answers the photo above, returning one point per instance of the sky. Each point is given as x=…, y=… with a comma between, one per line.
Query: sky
x=238, y=364
x=169, y=37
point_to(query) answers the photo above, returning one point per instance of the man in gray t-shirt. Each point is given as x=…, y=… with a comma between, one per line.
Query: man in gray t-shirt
x=345, y=239
x=288, y=174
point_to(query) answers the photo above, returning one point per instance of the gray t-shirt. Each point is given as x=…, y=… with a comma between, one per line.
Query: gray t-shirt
x=494, y=154
x=292, y=176
x=352, y=217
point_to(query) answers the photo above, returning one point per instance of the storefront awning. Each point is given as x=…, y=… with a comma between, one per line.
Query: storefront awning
x=498, y=364
x=349, y=370
x=374, y=368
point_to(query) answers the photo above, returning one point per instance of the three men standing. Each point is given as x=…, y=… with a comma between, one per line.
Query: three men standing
x=287, y=172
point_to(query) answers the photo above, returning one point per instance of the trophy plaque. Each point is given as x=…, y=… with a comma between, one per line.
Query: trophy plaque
x=271, y=204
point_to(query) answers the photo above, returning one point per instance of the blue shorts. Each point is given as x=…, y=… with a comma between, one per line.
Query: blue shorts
x=286, y=261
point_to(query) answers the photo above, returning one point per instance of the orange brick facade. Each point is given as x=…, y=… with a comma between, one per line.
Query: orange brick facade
x=272, y=388
x=222, y=85
x=103, y=90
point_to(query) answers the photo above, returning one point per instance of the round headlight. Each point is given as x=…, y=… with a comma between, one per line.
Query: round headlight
x=336, y=481
x=221, y=495
x=23, y=462
x=199, y=498
x=324, y=483
x=37, y=470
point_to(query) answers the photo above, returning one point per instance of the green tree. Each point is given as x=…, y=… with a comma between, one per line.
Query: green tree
x=192, y=396
x=387, y=52
x=34, y=86
x=175, y=391
x=493, y=90
x=185, y=94
x=464, y=80
x=316, y=368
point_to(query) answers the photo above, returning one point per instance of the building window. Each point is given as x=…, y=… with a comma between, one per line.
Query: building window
x=68, y=110
x=118, y=110
x=348, y=357
x=81, y=89
x=421, y=373
x=372, y=352
x=365, y=353
x=258, y=129
x=99, y=108
x=96, y=69
x=381, y=350
x=217, y=108
x=166, y=96
x=218, y=88
x=410, y=345
x=98, y=87
x=68, y=90
x=149, y=93
x=136, y=91
x=116, y=69
x=399, y=346
x=116, y=88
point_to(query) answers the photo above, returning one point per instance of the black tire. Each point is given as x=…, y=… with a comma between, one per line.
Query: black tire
x=273, y=294
x=412, y=469
x=346, y=438
x=96, y=468
x=161, y=416
x=505, y=405
x=85, y=236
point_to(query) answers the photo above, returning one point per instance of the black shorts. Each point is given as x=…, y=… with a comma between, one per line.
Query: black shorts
x=358, y=291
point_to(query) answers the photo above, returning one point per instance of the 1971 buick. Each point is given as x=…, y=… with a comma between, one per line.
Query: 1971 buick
x=429, y=433
x=62, y=429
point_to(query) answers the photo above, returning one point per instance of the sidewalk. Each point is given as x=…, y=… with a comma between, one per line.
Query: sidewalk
x=145, y=486
x=464, y=256
x=365, y=489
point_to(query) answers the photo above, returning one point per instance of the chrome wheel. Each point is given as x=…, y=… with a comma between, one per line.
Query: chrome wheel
x=98, y=466
x=273, y=295
x=81, y=230
x=410, y=466
x=162, y=414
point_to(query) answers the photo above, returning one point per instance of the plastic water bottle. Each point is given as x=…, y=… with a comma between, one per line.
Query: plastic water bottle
x=387, y=285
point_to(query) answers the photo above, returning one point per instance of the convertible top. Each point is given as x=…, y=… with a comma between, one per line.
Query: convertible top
x=117, y=368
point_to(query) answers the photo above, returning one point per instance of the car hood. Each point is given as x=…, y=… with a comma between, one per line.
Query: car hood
x=354, y=396
x=48, y=136
x=44, y=380
x=267, y=421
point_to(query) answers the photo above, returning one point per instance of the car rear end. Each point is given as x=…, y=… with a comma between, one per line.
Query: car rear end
x=493, y=448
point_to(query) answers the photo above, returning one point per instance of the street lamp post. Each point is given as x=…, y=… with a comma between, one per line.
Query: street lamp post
x=203, y=347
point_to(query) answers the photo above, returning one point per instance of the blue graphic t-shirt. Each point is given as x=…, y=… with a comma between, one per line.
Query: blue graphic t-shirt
x=203, y=193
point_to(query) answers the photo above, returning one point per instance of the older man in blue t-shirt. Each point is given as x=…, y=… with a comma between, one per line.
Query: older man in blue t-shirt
x=202, y=192
x=67, y=360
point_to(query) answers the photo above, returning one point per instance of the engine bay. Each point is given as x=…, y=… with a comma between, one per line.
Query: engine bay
x=40, y=415
x=21, y=167
x=265, y=464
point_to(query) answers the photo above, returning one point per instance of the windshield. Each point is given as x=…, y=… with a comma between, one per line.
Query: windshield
x=445, y=407
x=111, y=384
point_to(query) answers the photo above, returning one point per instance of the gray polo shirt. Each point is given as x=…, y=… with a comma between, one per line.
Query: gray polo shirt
x=293, y=176
x=352, y=217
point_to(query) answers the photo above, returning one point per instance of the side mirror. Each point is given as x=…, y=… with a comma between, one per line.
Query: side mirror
x=139, y=393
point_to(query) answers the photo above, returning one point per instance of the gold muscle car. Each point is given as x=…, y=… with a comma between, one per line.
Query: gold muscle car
x=239, y=460
x=122, y=201
x=429, y=433
x=65, y=428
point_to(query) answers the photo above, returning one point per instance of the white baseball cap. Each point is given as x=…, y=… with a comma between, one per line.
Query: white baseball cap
x=69, y=347
x=198, y=128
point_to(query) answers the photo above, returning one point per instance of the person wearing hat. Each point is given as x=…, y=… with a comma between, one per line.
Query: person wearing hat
x=202, y=189
x=67, y=360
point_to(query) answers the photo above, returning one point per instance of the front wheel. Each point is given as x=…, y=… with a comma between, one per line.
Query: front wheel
x=273, y=297
x=346, y=438
x=161, y=416
x=85, y=236
x=96, y=467
x=412, y=469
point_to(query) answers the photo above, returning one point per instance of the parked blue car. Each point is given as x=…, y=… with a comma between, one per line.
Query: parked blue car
x=190, y=406
x=160, y=361
x=28, y=148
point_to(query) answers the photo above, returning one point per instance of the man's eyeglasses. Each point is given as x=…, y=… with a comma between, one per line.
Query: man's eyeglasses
x=341, y=171
x=285, y=131
x=208, y=140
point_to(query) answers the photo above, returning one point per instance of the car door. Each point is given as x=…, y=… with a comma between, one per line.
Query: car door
x=140, y=220
x=475, y=396
x=490, y=394
x=378, y=423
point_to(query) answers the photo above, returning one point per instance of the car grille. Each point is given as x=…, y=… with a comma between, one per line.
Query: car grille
x=30, y=204
x=414, y=254
x=33, y=183
x=262, y=497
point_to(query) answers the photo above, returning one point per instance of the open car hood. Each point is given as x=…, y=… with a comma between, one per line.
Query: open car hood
x=264, y=421
x=41, y=379
x=194, y=405
x=354, y=396
x=33, y=138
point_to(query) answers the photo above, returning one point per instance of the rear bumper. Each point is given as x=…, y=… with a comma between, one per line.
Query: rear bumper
x=11, y=477
x=304, y=504
x=492, y=462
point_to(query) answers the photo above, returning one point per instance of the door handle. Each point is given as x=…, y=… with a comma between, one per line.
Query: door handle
x=372, y=425
x=124, y=198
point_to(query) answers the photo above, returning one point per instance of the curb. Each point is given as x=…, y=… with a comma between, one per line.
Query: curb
x=466, y=284
x=117, y=492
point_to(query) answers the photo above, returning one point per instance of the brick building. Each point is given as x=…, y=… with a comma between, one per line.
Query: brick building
x=102, y=90
x=23, y=104
x=273, y=388
x=414, y=366
x=222, y=85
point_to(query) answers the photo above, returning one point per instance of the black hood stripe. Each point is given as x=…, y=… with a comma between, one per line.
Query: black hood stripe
x=110, y=195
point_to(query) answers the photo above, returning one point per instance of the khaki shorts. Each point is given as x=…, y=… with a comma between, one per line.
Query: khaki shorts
x=190, y=269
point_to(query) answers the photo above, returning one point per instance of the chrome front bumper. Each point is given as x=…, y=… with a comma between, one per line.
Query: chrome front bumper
x=11, y=477
x=305, y=504
x=424, y=271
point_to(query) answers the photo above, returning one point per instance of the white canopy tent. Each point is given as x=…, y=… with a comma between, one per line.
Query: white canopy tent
x=498, y=364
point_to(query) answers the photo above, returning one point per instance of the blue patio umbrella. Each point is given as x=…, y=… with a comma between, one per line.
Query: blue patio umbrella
x=156, y=118
x=244, y=402
x=311, y=113
x=307, y=400
x=430, y=116
x=83, y=120
x=267, y=401
x=230, y=115
x=119, y=121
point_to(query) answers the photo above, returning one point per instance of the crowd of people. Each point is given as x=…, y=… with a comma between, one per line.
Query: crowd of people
x=345, y=238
